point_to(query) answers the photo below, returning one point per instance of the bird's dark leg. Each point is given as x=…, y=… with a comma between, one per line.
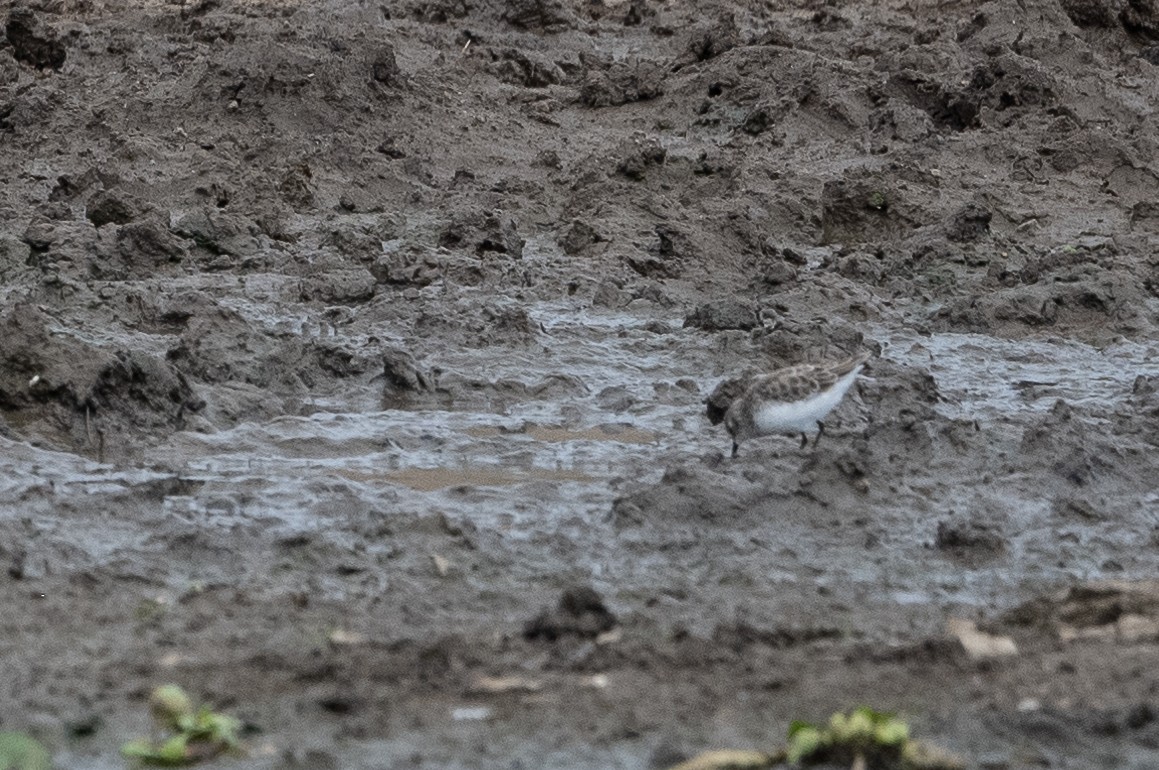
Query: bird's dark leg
x=735, y=449
x=804, y=440
x=820, y=432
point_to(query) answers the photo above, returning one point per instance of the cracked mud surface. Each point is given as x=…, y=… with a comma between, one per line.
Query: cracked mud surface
x=354, y=360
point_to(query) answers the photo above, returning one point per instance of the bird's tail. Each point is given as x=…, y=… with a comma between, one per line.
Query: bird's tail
x=851, y=363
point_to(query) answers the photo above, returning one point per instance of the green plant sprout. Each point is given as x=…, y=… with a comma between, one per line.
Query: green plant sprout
x=197, y=733
x=22, y=752
x=877, y=201
x=863, y=738
x=865, y=732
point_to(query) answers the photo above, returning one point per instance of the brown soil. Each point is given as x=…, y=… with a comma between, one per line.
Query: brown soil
x=243, y=229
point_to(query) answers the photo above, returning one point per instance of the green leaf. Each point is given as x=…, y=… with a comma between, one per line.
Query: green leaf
x=804, y=743
x=22, y=752
x=893, y=733
x=169, y=703
x=799, y=724
x=174, y=750
x=197, y=734
x=221, y=728
x=187, y=723
x=858, y=727
x=877, y=717
x=138, y=748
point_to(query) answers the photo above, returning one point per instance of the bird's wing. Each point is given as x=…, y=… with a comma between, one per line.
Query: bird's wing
x=797, y=383
x=793, y=384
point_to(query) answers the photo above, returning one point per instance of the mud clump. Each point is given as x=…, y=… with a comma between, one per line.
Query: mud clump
x=74, y=394
x=142, y=248
x=580, y=237
x=1099, y=302
x=1145, y=396
x=685, y=499
x=1113, y=609
x=402, y=373
x=969, y=223
x=403, y=378
x=619, y=83
x=484, y=233
x=723, y=314
x=637, y=157
x=34, y=42
x=858, y=210
x=219, y=233
x=899, y=394
x=108, y=207
x=384, y=68
x=581, y=613
x=339, y=286
x=545, y=15
x=1064, y=442
x=969, y=539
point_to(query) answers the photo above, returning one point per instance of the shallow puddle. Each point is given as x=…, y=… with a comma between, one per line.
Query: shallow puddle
x=558, y=463
x=620, y=433
x=430, y=479
x=983, y=377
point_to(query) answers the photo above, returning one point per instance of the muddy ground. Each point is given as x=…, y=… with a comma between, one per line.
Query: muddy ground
x=354, y=359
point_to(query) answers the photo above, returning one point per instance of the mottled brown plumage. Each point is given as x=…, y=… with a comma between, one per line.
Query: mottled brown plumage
x=790, y=399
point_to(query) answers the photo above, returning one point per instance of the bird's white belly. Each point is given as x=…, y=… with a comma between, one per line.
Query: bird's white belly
x=800, y=416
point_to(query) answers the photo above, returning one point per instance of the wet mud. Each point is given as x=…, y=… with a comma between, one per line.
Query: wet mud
x=361, y=371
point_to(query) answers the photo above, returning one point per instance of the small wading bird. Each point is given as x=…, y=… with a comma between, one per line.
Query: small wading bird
x=792, y=400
